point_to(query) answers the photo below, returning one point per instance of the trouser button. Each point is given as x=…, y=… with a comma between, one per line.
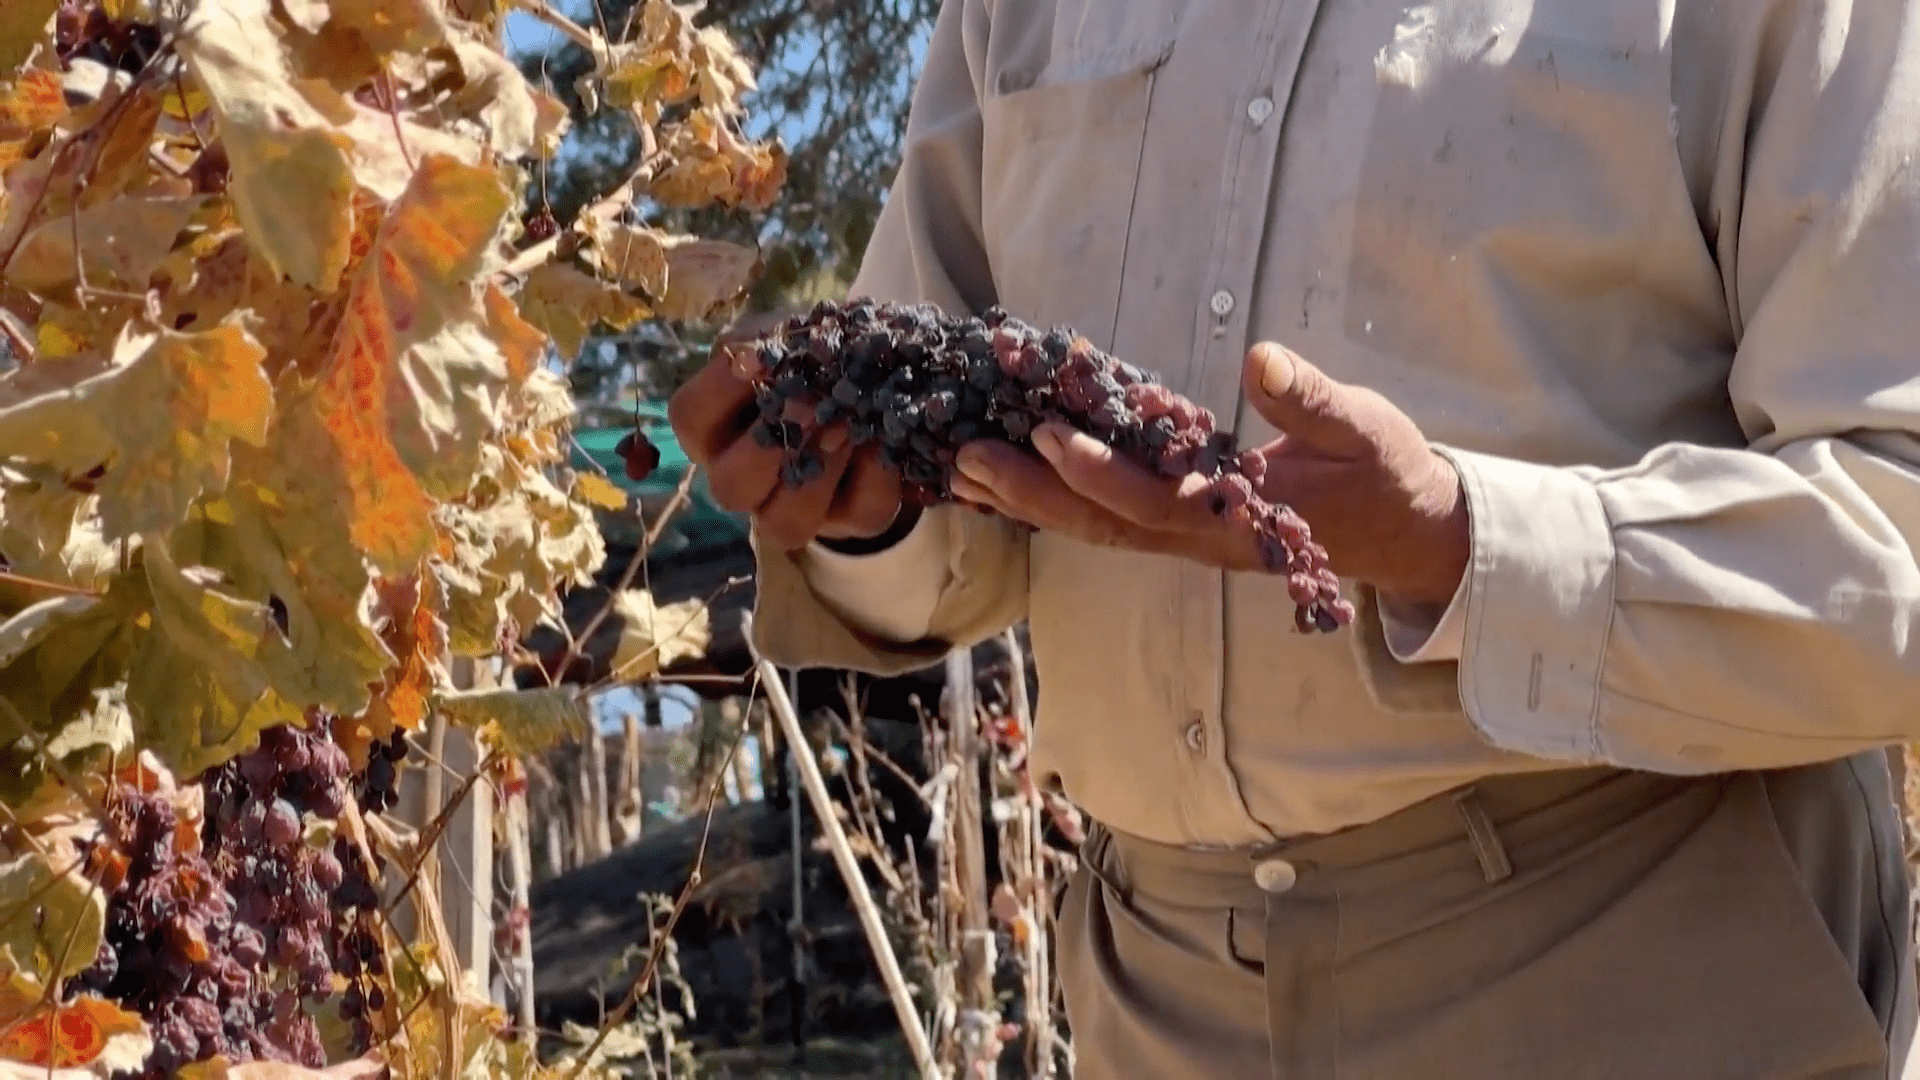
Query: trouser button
x=1275, y=875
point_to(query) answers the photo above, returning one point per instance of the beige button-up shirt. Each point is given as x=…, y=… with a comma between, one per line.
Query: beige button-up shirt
x=1648, y=272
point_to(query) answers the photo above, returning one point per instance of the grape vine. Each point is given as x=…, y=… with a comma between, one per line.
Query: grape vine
x=280, y=441
x=920, y=384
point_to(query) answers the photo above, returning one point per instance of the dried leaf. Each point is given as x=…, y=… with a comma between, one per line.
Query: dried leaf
x=290, y=181
x=87, y=1037
x=429, y=247
x=157, y=425
x=655, y=637
x=121, y=244
x=52, y=919
x=269, y=543
x=520, y=722
x=29, y=106
x=599, y=491
x=508, y=109
x=705, y=278
x=384, y=26
x=198, y=691
x=709, y=162
x=565, y=304
x=631, y=256
x=24, y=26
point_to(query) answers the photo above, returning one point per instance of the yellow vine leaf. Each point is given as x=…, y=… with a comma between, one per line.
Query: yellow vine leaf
x=599, y=491
x=416, y=277
x=656, y=636
x=565, y=304
x=58, y=652
x=273, y=547
x=196, y=686
x=23, y=28
x=290, y=181
x=152, y=432
x=633, y=256
x=709, y=162
x=522, y=343
x=65, y=937
x=706, y=278
x=521, y=723
x=121, y=244
x=50, y=531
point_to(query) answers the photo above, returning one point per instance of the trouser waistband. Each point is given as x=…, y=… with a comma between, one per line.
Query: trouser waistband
x=1493, y=825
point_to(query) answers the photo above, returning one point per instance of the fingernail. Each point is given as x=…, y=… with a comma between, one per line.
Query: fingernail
x=832, y=439
x=1050, y=442
x=1276, y=378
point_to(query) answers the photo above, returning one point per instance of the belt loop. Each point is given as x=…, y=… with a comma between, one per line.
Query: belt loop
x=1486, y=841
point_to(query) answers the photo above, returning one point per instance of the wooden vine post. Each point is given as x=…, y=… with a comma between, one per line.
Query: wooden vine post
x=801, y=755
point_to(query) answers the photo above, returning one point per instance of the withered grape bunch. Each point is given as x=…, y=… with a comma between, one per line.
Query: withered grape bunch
x=921, y=384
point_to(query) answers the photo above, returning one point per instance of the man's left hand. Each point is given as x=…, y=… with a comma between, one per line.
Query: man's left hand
x=1388, y=509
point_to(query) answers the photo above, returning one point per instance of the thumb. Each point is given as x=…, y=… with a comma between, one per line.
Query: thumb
x=1302, y=402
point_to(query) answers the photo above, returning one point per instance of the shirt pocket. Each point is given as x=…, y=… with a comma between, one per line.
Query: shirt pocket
x=1061, y=144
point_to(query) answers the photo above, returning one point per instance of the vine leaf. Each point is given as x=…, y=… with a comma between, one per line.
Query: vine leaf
x=565, y=304
x=521, y=723
x=152, y=432
x=415, y=279
x=633, y=256
x=599, y=491
x=290, y=181
x=86, y=1037
x=268, y=546
x=28, y=105
x=706, y=277
x=121, y=244
x=23, y=26
x=46, y=907
x=198, y=691
x=654, y=636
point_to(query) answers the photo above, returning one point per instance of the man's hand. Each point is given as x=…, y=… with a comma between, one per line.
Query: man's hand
x=1388, y=509
x=854, y=498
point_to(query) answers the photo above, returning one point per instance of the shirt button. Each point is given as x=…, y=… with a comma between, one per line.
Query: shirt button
x=1259, y=109
x=1196, y=736
x=1275, y=875
x=1221, y=303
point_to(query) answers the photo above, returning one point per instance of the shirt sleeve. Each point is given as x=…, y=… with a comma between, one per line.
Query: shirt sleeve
x=1709, y=608
x=959, y=577
x=1420, y=634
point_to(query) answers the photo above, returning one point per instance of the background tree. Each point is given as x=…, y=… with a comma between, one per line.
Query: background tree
x=834, y=83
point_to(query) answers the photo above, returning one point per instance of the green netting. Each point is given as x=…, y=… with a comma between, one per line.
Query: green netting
x=702, y=524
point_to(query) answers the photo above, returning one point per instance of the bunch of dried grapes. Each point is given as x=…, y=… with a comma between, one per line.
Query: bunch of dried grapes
x=921, y=384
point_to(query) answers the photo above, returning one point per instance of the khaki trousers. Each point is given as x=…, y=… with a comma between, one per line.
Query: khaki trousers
x=1586, y=924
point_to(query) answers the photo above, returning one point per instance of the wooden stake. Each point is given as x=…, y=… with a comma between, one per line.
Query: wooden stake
x=843, y=857
x=975, y=977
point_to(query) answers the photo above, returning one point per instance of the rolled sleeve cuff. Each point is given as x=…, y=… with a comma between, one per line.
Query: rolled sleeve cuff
x=888, y=593
x=1416, y=635
x=1539, y=605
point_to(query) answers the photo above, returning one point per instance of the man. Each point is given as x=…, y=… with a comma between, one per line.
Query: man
x=1583, y=333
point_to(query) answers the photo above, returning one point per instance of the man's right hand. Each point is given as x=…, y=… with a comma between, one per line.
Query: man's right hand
x=854, y=498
